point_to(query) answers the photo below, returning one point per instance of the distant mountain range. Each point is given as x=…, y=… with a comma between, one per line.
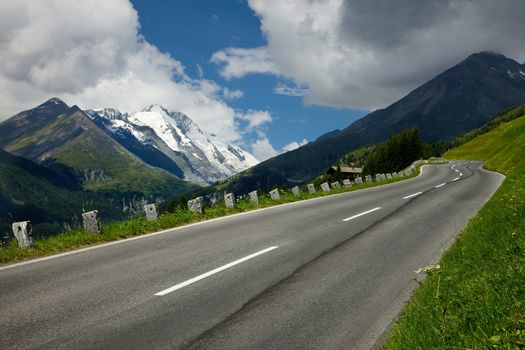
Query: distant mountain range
x=57, y=160
x=53, y=133
x=461, y=98
x=172, y=141
x=66, y=140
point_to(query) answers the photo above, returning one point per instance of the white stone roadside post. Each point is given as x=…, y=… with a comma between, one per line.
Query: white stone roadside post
x=92, y=223
x=275, y=194
x=196, y=205
x=23, y=232
x=151, y=212
x=229, y=200
x=311, y=188
x=254, y=198
x=336, y=185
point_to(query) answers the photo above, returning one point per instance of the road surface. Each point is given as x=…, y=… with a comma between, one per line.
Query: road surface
x=326, y=273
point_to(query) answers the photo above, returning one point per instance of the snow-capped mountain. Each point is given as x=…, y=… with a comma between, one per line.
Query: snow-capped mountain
x=174, y=142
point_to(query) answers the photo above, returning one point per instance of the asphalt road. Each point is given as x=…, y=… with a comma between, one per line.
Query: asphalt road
x=327, y=273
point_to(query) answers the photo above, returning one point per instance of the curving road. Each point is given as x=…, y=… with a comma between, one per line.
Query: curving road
x=326, y=273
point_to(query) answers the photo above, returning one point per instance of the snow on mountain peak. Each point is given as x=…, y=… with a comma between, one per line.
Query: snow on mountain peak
x=204, y=158
x=110, y=113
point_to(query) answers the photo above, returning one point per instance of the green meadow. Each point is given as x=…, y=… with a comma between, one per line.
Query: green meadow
x=476, y=300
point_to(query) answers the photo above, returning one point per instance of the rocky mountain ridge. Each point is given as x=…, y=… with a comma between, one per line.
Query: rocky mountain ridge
x=201, y=157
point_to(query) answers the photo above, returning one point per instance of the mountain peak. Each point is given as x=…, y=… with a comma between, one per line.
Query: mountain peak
x=156, y=108
x=489, y=58
x=109, y=113
x=200, y=157
x=488, y=54
x=55, y=102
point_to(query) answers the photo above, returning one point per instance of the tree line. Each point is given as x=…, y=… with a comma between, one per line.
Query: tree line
x=395, y=154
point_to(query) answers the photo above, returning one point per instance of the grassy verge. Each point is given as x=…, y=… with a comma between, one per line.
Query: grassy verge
x=77, y=238
x=477, y=299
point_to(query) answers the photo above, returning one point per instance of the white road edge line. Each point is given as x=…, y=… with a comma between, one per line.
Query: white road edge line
x=412, y=195
x=213, y=272
x=361, y=214
x=440, y=185
x=456, y=179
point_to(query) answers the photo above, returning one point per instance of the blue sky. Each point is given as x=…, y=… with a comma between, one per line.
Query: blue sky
x=192, y=31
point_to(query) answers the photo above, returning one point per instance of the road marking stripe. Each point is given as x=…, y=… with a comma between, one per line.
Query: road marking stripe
x=412, y=195
x=361, y=214
x=456, y=179
x=440, y=185
x=213, y=272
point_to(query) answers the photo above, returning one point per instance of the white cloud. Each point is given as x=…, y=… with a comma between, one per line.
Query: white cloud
x=282, y=89
x=369, y=53
x=262, y=149
x=256, y=119
x=199, y=71
x=237, y=62
x=232, y=94
x=294, y=145
x=90, y=54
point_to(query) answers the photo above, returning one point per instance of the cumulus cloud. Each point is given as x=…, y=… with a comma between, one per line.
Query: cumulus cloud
x=256, y=119
x=232, y=94
x=199, y=70
x=237, y=62
x=91, y=54
x=282, y=89
x=262, y=149
x=294, y=145
x=369, y=53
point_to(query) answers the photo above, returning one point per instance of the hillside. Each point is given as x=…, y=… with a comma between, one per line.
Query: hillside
x=67, y=140
x=29, y=191
x=476, y=299
x=502, y=148
x=461, y=98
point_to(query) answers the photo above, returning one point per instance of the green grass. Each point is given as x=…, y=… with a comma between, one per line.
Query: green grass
x=139, y=225
x=124, y=171
x=477, y=299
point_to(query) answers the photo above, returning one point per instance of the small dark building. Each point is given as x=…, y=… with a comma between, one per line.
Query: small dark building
x=346, y=172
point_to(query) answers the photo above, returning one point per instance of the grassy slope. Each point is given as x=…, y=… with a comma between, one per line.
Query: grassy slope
x=357, y=156
x=127, y=172
x=72, y=139
x=477, y=299
x=31, y=192
x=93, y=149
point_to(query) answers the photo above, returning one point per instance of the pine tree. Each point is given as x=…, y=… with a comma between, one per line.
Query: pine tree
x=398, y=152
